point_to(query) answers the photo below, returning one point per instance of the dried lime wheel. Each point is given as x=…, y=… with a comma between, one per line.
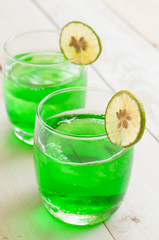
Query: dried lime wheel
x=125, y=119
x=80, y=43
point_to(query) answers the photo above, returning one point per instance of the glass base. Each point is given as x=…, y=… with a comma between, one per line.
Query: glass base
x=23, y=136
x=77, y=219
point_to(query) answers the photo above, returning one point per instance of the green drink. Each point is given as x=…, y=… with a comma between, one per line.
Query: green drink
x=28, y=78
x=82, y=176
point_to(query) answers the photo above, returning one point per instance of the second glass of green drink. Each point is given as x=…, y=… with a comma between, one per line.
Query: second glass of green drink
x=35, y=67
x=82, y=176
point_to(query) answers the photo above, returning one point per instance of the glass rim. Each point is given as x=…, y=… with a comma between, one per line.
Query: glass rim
x=12, y=57
x=77, y=137
x=67, y=135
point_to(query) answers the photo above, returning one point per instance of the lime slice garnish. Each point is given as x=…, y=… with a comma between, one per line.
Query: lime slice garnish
x=125, y=119
x=80, y=43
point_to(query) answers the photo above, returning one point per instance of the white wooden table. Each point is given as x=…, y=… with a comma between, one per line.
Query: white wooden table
x=129, y=31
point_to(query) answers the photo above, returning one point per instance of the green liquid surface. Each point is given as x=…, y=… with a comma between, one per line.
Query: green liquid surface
x=84, y=175
x=26, y=85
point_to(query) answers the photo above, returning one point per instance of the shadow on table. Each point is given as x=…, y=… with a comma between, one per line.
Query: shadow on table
x=26, y=217
x=30, y=220
x=51, y=227
x=12, y=148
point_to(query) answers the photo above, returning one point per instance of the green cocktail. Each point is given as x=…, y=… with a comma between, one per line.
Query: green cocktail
x=31, y=76
x=82, y=176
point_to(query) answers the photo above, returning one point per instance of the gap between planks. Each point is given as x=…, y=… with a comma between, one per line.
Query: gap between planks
x=109, y=231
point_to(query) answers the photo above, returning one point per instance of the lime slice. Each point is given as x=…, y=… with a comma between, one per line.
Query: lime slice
x=124, y=119
x=80, y=43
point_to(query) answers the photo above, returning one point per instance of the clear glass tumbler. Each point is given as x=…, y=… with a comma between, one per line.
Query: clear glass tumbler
x=34, y=67
x=81, y=175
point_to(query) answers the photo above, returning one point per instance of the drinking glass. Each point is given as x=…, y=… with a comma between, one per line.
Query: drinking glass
x=81, y=175
x=34, y=67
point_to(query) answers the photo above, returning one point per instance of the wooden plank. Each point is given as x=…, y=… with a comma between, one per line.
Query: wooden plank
x=19, y=16
x=138, y=216
x=22, y=209
x=13, y=26
x=127, y=60
x=14, y=20
x=141, y=15
x=22, y=215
